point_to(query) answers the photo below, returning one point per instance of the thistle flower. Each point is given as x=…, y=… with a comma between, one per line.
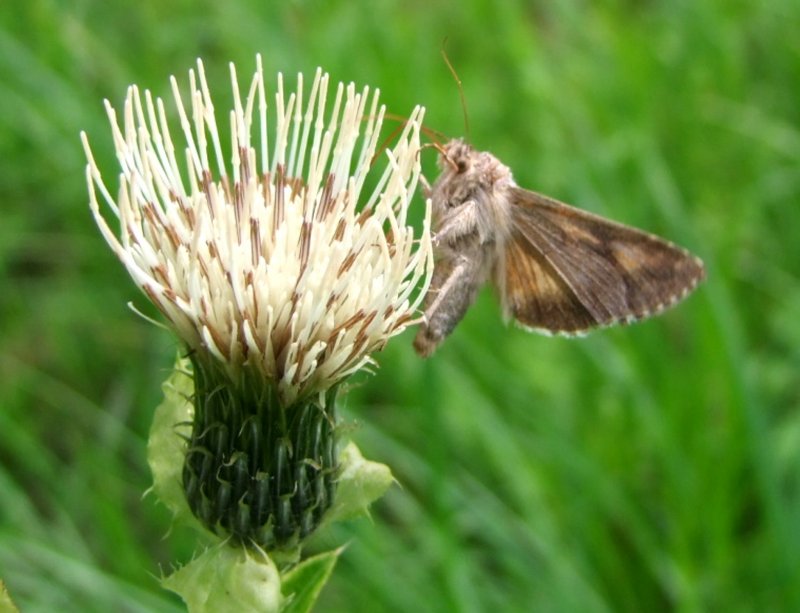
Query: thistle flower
x=280, y=279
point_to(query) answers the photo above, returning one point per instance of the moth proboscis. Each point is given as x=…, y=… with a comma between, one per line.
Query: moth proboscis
x=557, y=269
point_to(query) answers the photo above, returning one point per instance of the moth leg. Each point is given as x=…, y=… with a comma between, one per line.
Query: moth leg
x=458, y=223
x=427, y=190
x=454, y=286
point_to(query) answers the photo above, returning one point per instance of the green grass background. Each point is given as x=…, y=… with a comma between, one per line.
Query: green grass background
x=649, y=468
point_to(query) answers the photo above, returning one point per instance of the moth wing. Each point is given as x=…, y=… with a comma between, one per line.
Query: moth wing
x=535, y=294
x=607, y=271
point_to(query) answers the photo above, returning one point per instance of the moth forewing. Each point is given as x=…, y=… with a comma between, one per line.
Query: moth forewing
x=617, y=273
x=533, y=293
x=557, y=269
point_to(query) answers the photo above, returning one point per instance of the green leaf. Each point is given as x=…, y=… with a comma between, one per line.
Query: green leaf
x=228, y=578
x=302, y=585
x=166, y=447
x=360, y=483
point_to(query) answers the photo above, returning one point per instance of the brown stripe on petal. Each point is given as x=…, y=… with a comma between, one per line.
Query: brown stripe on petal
x=244, y=165
x=244, y=346
x=361, y=337
x=172, y=234
x=305, y=245
x=132, y=238
x=154, y=297
x=326, y=201
x=294, y=300
x=296, y=184
x=369, y=319
x=206, y=187
x=358, y=345
x=391, y=244
x=170, y=295
x=278, y=342
x=277, y=211
x=249, y=282
x=238, y=203
x=363, y=217
x=339, y=234
x=159, y=272
x=186, y=211
x=203, y=266
x=158, y=297
x=159, y=223
x=255, y=241
x=348, y=323
x=218, y=338
x=299, y=360
x=259, y=339
x=401, y=321
x=347, y=264
x=150, y=215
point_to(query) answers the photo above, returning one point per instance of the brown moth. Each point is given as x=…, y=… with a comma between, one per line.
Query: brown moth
x=558, y=269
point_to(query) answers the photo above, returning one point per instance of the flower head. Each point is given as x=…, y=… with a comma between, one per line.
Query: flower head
x=280, y=278
x=281, y=266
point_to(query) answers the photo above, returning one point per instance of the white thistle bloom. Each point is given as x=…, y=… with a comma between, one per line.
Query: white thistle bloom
x=282, y=268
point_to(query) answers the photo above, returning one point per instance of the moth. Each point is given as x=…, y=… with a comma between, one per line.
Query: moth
x=557, y=269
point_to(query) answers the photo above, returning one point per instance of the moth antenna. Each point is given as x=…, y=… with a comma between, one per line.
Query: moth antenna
x=460, y=88
x=395, y=117
x=429, y=132
x=438, y=146
x=434, y=135
x=385, y=144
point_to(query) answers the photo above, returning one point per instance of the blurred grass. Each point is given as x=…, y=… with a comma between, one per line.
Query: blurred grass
x=650, y=468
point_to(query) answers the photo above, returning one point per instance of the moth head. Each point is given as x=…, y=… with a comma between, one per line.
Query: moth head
x=456, y=156
x=467, y=175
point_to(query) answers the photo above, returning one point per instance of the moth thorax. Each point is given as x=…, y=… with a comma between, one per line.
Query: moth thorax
x=500, y=207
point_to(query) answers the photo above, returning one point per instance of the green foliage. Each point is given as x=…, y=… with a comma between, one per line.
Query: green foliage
x=303, y=584
x=225, y=578
x=651, y=468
